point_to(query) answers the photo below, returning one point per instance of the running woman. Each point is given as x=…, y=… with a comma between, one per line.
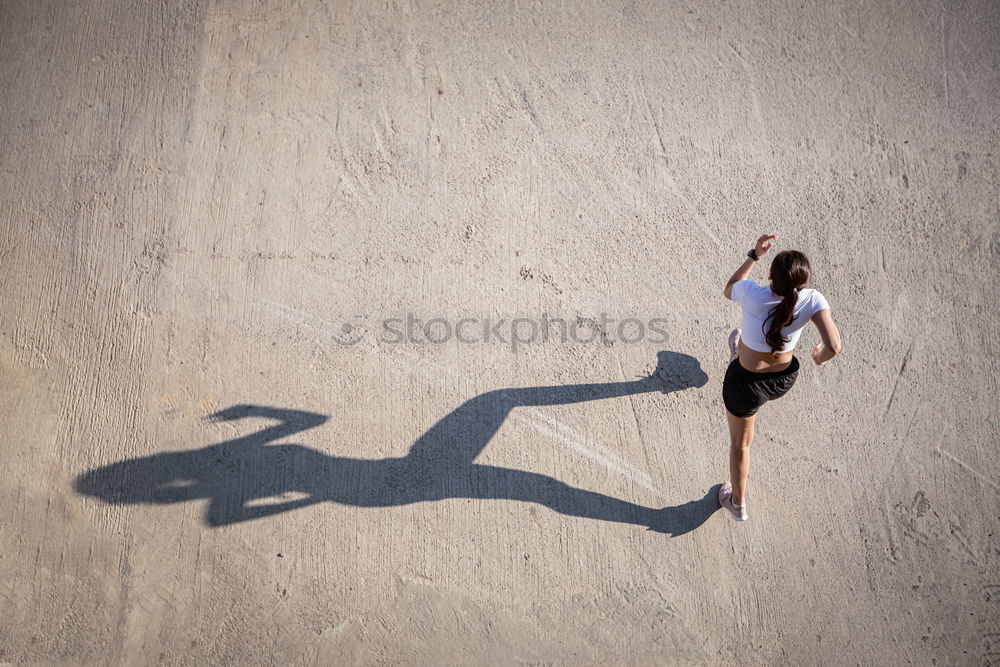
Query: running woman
x=762, y=366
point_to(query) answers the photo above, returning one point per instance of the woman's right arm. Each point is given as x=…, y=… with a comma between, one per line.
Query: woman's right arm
x=829, y=346
x=764, y=244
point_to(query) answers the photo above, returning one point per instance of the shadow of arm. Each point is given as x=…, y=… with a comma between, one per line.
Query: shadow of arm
x=291, y=421
x=220, y=513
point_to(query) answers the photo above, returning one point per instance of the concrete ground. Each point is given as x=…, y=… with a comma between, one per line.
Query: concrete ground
x=222, y=446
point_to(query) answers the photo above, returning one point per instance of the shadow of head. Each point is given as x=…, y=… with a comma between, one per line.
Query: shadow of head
x=163, y=478
x=679, y=371
x=171, y=477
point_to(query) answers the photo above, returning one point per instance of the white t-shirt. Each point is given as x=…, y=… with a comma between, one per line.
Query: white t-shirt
x=758, y=301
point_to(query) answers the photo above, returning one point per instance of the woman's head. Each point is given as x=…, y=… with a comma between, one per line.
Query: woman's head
x=790, y=271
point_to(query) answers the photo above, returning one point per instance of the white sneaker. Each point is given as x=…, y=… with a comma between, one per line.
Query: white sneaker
x=726, y=500
x=734, y=343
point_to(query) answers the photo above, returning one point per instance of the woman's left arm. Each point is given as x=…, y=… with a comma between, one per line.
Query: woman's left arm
x=764, y=243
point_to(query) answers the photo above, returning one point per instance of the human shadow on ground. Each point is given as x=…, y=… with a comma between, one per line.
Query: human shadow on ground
x=247, y=478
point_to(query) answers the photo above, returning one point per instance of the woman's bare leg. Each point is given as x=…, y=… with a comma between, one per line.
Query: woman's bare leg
x=740, y=436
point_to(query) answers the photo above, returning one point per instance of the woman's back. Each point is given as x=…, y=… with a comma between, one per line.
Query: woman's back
x=758, y=303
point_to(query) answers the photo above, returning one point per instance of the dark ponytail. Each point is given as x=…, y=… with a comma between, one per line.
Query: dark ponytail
x=790, y=271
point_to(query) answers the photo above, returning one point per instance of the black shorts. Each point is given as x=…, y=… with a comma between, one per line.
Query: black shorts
x=744, y=391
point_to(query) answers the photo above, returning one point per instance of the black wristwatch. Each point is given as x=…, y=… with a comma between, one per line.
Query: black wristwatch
x=752, y=255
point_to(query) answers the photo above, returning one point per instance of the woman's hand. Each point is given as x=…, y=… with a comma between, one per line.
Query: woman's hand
x=764, y=243
x=818, y=356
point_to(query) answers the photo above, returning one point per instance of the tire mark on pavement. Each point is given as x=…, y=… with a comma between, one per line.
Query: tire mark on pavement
x=945, y=453
x=899, y=374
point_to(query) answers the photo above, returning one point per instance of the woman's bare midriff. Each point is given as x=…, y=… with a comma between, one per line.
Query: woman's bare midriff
x=763, y=362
